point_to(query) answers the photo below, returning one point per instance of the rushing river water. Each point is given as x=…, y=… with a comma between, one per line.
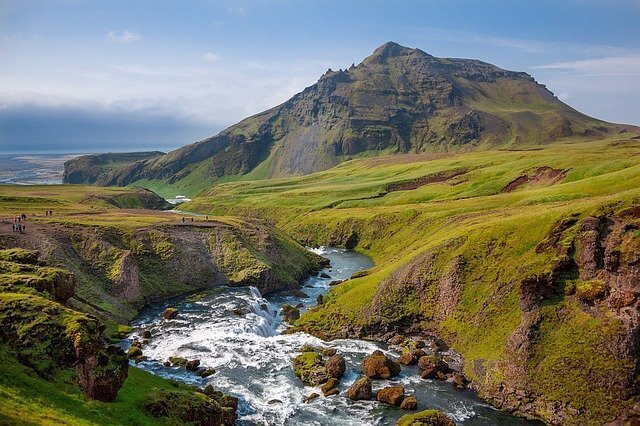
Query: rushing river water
x=239, y=333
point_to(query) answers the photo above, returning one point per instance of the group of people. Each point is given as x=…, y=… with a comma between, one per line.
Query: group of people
x=184, y=220
x=18, y=225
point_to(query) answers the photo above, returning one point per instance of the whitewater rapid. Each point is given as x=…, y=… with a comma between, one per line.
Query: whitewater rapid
x=239, y=333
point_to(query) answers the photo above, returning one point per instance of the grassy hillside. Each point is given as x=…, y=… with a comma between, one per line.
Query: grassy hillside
x=526, y=261
x=398, y=100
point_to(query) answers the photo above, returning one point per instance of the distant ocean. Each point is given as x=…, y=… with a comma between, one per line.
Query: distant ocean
x=33, y=169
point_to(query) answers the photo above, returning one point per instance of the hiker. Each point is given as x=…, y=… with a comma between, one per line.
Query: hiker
x=23, y=216
x=13, y=227
x=22, y=229
x=183, y=220
x=206, y=217
x=191, y=219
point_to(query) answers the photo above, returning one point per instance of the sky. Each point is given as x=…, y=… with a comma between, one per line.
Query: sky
x=95, y=76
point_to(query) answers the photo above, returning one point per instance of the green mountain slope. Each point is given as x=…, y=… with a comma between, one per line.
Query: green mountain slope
x=526, y=262
x=398, y=100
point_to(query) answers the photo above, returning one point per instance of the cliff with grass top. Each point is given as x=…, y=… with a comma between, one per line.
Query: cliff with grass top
x=125, y=258
x=526, y=262
x=71, y=281
x=398, y=100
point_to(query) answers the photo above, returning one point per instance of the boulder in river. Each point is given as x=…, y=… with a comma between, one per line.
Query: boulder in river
x=335, y=366
x=459, y=380
x=426, y=418
x=409, y=403
x=289, y=313
x=146, y=334
x=320, y=299
x=324, y=275
x=134, y=352
x=310, y=397
x=192, y=365
x=170, y=313
x=432, y=367
x=301, y=294
x=336, y=282
x=206, y=372
x=380, y=366
x=309, y=368
x=362, y=389
x=330, y=385
x=392, y=395
x=178, y=360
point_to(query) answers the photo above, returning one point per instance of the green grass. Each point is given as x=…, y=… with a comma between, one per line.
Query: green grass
x=25, y=398
x=414, y=236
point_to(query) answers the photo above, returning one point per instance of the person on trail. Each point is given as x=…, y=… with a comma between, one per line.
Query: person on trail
x=206, y=217
x=183, y=220
x=22, y=229
x=191, y=219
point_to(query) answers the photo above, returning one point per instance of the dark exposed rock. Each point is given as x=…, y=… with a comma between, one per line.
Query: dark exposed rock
x=134, y=352
x=410, y=403
x=324, y=275
x=335, y=366
x=392, y=395
x=170, y=313
x=192, y=365
x=361, y=390
x=289, y=313
x=310, y=397
x=330, y=385
x=379, y=366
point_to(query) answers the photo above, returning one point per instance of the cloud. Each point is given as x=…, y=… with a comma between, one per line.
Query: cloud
x=123, y=37
x=238, y=10
x=211, y=57
x=614, y=65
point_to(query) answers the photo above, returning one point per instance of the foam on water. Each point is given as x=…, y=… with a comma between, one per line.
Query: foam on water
x=238, y=332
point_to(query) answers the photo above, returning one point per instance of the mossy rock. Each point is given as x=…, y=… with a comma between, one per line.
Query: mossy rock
x=426, y=418
x=360, y=274
x=309, y=368
x=178, y=360
x=591, y=291
x=186, y=405
x=134, y=352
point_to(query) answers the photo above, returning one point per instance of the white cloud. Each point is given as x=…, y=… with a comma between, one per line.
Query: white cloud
x=211, y=57
x=238, y=10
x=615, y=65
x=123, y=37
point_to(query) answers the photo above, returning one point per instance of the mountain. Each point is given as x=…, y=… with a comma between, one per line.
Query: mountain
x=398, y=100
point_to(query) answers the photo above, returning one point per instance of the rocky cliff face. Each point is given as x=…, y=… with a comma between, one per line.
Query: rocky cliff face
x=118, y=271
x=49, y=337
x=398, y=100
x=553, y=336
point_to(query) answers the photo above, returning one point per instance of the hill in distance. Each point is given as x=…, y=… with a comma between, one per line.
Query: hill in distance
x=398, y=100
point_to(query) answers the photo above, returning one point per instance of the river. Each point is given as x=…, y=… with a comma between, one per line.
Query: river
x=240, y=334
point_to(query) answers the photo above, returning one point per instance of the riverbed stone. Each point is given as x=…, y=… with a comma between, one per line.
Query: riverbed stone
x=335, y=366
x=134, y=352
x=392, y=395
x=410, y=403
x=362, y=389
x=380, y=366
x=178, y=360
x=146, y=334
x=331, y=384
x=459, y=380
x=309, y=368
x=170, y=313
x=289, y=313
x=310, y=397
x=192, y=365
x=426, y=418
